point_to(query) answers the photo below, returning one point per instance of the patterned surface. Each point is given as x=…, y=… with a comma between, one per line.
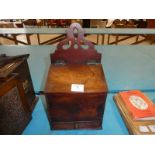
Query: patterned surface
x=13, y=117
x=25, y=79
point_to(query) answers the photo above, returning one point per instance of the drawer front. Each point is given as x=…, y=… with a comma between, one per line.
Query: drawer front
x=77, y=125
x=75, y=107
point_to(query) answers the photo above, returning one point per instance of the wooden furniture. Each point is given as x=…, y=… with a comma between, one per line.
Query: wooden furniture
x=17, y=65
x=151, y=24
x=25, y=23
x=55, y=23
x=17, y=97
x=29, y=23
x=68, y=109
x=132, y=125
x=123, y=24
x=86, y=23
x=58, y=22
x=4, y=24
x=13, y=37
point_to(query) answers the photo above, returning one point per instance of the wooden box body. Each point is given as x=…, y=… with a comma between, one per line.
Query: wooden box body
x=76, y=110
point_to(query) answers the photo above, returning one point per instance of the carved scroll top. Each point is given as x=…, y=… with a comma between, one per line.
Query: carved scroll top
x=75, y=49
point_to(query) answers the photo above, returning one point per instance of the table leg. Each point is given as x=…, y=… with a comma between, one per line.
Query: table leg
x=97, y=38
x=103, y=37
x=117, y=35
x=137, y=37
x=28, y=39
x=108, y=39
x=38, y=39
x=15, y=39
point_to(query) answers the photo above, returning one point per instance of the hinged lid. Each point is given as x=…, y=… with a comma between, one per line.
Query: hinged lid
x=61, y=78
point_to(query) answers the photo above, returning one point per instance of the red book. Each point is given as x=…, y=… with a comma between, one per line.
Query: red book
x=139, y=105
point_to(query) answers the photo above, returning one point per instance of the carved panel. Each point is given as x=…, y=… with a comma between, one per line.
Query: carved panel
x=13, y=116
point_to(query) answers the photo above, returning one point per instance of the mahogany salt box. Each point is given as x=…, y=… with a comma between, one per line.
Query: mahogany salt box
x=76, y=87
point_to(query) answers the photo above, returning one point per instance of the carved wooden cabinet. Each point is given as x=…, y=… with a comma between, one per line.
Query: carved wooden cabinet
x=78, y=66
x=17, y=65
x=17, y=97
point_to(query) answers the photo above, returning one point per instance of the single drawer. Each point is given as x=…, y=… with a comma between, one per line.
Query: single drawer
x=96, y=124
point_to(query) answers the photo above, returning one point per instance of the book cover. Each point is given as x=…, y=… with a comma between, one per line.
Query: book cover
x=139, y=105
